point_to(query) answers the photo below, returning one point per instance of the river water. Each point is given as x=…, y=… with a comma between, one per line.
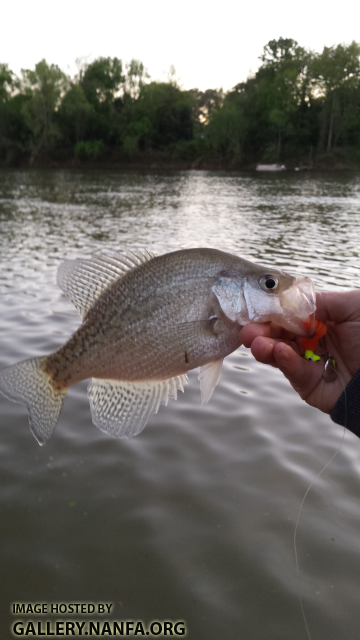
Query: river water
x=193, y=520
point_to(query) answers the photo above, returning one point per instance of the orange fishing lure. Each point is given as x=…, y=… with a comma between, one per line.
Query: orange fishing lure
x=310, y=344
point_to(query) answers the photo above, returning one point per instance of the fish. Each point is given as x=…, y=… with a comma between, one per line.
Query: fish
x=146, y=321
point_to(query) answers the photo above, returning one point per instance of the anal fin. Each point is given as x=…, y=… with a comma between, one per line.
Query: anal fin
x=122, y=408
x=209, y=376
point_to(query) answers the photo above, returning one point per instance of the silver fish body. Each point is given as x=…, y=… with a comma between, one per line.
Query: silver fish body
x=146, y=322
x=155, y=322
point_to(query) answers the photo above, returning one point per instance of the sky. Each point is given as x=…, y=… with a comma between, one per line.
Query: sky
x=210, y=44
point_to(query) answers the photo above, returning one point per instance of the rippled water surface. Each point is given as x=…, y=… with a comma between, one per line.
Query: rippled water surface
x=194, y=519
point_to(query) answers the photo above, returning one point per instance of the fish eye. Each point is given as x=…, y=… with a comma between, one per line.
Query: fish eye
x=269, y=282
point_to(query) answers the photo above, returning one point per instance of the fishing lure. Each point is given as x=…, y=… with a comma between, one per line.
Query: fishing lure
x=310, y=344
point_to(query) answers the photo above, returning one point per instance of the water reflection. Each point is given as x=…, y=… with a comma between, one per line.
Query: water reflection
x=310, y=224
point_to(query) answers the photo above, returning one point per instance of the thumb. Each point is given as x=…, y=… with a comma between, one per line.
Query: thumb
x=302, y=374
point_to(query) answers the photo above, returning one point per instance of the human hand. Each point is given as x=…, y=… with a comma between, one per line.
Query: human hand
x=271, y=344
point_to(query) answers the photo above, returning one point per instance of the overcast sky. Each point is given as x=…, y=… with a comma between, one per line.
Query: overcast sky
x=211, y=45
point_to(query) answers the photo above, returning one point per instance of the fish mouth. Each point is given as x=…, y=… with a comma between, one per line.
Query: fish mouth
x=299, y=304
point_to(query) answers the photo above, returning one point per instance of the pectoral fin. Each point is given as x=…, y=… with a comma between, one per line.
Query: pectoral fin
x=209, y=376
x=196, y=330
x=122, y=408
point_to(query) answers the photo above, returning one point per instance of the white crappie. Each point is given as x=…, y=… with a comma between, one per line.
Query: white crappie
x=147, y=321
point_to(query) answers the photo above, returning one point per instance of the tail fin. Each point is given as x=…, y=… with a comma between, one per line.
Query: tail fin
x=27, y=383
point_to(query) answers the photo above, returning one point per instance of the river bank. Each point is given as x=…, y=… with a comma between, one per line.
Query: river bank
x=165, y=164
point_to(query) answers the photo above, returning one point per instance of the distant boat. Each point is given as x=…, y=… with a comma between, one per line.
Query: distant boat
x=270, y=167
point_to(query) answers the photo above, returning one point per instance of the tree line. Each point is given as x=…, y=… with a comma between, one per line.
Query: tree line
x=300, y=106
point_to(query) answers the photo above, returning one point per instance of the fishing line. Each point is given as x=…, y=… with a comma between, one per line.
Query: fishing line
x=301, y=507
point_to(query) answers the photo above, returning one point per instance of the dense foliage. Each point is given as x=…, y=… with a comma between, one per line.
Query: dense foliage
x=299, y=107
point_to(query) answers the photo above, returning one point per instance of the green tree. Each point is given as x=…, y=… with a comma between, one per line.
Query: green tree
x=136, y=76
x=7, y=83
x=276, y=52
x=168, y=110
x=74, y=112
x=296, y=102
x=204, y=102
x=102, y=80
x=284, y=86
x=43, y=88
x=275, y=103
x=336, y=73
x=10, y=122
x=227, y=130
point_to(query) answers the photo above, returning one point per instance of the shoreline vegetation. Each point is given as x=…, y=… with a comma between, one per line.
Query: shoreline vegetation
x=166, y=165
x=300, y=109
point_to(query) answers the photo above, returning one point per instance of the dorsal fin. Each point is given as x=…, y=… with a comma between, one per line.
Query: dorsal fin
x=83, y=281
